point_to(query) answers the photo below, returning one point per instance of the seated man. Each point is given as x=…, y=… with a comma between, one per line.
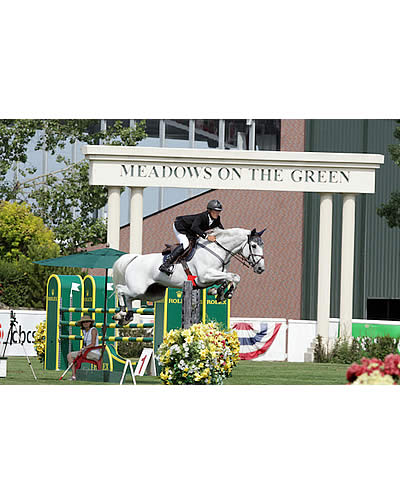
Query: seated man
x=193, y=226
x=90, y=339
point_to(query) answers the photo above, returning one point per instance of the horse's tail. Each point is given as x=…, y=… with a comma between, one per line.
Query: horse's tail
x=120, y=266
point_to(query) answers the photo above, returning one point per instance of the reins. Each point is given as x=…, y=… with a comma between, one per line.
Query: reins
x=239, y=256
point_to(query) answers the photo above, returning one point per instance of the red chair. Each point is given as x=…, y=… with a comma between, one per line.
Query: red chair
x=83, y=359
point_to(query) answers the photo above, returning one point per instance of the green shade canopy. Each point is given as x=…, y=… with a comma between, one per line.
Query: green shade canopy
x=103, y=258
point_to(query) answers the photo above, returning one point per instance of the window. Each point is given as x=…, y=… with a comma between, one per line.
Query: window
x=383, y=309
x=206, y=133
x=177, y=133
x=236, y=134
x=268, y=133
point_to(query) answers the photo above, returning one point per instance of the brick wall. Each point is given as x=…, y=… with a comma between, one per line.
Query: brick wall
x=277, y=292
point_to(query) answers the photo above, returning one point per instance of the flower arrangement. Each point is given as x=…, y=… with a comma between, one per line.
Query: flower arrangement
x=374, y=371
x=201, y=354
x=40, y=340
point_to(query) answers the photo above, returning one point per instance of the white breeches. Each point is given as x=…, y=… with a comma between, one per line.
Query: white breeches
x=182, y=238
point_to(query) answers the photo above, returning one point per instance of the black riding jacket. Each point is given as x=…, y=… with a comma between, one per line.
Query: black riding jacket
x=196, y=225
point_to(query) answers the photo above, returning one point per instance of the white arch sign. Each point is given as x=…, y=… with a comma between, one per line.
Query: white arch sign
x=324, y=173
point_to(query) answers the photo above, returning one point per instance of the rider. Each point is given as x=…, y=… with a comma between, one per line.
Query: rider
x=191, y=227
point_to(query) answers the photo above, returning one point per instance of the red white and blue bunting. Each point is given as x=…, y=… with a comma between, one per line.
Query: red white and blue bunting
x=256, y=337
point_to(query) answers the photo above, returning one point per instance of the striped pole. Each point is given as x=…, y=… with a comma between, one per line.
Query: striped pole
x=112, y=325
x=138, y=310
x=110, y=339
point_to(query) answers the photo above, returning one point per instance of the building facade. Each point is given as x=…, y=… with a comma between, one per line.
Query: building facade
x=288, y=287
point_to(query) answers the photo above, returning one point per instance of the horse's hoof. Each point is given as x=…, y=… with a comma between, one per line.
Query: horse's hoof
x=212, y=291
x=228, y=295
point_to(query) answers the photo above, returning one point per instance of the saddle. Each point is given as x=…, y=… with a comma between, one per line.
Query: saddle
x=185, y=256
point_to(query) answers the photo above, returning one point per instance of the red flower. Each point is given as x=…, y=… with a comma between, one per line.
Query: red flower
x=391, y=364
x=354, y=371
x=372, y=364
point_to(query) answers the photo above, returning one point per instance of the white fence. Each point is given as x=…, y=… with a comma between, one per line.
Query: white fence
x=293, y=342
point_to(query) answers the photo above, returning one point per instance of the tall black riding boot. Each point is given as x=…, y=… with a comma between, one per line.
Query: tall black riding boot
x=166, y=265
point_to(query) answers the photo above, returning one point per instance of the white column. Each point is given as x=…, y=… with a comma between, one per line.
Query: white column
x=113, y=223
x=221, y=134
x=347, y=270
x=136, y=220
x=192, y=136
x=252, y=134
x=324, y=265
x=162, y=145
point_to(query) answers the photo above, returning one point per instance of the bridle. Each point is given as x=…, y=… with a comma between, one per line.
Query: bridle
x=248, y=262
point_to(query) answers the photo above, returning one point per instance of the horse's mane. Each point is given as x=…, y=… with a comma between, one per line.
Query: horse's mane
x=229, y=232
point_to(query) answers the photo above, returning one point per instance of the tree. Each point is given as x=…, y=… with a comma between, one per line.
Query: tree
x=22, y=233
x=391, y=210
x=67, y=203
x=24, y=238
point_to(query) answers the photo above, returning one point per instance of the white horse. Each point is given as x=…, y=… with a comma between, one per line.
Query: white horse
x=138, y=277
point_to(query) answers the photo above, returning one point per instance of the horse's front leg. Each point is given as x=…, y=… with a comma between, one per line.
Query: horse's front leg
x=217, y=277
x=124, y=302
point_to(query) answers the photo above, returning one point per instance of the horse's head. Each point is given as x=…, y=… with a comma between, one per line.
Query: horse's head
x=253, y=251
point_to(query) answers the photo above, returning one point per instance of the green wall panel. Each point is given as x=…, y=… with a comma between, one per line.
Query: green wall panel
x=377, y=248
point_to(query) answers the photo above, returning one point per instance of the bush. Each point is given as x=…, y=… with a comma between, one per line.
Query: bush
x=14, y=287
x=201, y=354
x=40, y=340
x=134, y=349
x=23, y=283
x=353, y=350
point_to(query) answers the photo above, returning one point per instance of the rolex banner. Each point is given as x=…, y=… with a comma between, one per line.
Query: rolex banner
x=20, y=337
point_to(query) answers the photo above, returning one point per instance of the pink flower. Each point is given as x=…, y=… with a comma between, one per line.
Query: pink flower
x=354, y=371
x=372, y=364
x=392, y=363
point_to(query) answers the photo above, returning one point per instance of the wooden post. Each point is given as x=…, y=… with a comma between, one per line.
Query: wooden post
x=190, y=305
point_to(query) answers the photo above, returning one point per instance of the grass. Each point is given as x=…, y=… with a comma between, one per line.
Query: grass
x=245, y=373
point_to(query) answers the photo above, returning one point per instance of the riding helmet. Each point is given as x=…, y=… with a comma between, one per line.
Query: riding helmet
x=214, y=205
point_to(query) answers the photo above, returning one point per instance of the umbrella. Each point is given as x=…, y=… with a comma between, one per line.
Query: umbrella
x=103, y=258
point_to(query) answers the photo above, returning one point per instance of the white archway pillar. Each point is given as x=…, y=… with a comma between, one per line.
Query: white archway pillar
x=113, y=223
x=347, y=265
x=324, y=265
x=136, y=220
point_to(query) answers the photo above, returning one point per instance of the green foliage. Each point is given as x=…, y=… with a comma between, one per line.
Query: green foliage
x=379, y=347
x=15, y=136
x=351, y=351
x=13, y=285
x=134, y=349
x=391, y=210
x=22, y=233
x=320, y=352
x=66, y=204
x=24, y=238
